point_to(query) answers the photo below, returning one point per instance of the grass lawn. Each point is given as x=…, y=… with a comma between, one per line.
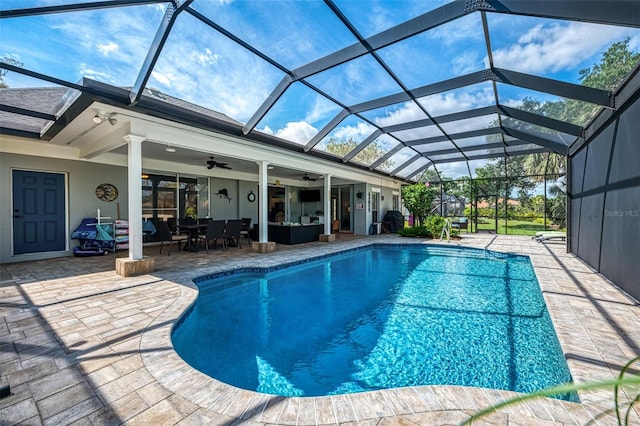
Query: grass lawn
x=515, y=227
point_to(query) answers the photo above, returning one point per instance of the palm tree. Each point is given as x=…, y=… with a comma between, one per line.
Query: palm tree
x=546, y=163
x=557, y=204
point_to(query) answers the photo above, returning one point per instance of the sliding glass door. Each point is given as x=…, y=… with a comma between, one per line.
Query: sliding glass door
x=341, y=201
x=169, y=197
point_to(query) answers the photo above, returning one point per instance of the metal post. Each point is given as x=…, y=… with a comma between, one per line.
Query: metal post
x=506, y=198
x=545, y=204
x=497, y=197
x=545, y=190
x=567, y=203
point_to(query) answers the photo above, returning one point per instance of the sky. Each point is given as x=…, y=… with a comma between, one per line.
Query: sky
x=202, y=66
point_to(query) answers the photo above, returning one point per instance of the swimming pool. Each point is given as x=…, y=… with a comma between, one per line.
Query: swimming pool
x=376, y=318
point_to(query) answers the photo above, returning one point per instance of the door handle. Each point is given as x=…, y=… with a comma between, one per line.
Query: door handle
x=17, y=216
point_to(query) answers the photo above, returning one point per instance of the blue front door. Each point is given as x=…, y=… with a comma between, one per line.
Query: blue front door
x=38, y=212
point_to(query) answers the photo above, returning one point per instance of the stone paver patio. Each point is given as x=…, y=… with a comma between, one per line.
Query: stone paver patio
x=81, y=345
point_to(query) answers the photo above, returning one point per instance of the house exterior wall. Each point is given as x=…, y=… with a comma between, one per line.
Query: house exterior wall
x=82, y=180
x=247, y=208
x=223, y=207
x=604, y=197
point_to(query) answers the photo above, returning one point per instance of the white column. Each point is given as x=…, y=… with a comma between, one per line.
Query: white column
x=135, y=195
x=327, y=204
x=263, y=202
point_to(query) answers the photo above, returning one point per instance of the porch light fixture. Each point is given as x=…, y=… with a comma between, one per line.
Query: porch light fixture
x=101, y=116
x=145, y=176
x=169, y=148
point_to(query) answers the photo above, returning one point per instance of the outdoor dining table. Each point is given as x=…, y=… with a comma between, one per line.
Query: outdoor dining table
x=193, y=229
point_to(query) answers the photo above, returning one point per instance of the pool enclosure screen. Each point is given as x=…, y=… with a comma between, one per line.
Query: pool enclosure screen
x=604, y=195
x=385, y=88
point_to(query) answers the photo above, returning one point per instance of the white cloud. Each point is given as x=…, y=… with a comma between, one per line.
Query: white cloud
x=408, y=111
x=634, y=43
x=466, y=62
x=463, y=29
x=113, y=41
x=557, y=47
x=299, y=132
x=206, y=58
x=358, y=132
x=266, y=129
x=221, y=77
x=356, y=81
x=450, y=102
x=439, y=104
x=107, y=48
x=453, y=170
x=418, y=133
x=163, y=79
x=321, y=109
x=92, y=73
x=474, y=123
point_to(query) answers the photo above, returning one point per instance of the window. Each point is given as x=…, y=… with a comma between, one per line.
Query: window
x=160, y=199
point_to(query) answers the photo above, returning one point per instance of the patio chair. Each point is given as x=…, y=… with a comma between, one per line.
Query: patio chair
x=233, y=235
x=549, y=235
x=215, y=231
x=335, y=228
x=185, y=221
x=165, y=236
x=172, y=223
x=462, y=223
x=244, y=229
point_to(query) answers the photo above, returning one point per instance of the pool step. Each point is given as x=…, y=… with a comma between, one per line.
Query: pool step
x=474, y=254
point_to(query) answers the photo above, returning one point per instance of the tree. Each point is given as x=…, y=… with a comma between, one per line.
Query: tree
x=430, y=175
x=368, y=155
x=417, y=199
x=494, y=180
x=616, y=63
x=557, y=205
x=461, y=187
x=8, y=60
x=548, y=163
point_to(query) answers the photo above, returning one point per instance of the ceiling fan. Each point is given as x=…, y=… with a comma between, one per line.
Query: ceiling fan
x=307, y=178
x=211, y=163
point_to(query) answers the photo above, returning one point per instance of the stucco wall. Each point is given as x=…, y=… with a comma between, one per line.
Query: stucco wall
x=82, y=179
x=223, y=207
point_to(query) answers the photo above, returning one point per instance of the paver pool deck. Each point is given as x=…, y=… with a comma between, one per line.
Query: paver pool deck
x=82, y=345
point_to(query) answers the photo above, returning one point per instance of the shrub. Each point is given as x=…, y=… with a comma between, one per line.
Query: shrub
x=415, y=232
x=431, y=228
x=434, y=225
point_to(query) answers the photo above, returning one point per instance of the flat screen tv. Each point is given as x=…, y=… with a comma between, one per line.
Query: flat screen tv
x=309, y=195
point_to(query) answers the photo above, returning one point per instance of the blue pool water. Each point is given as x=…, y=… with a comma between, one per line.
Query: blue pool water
x=383, y=317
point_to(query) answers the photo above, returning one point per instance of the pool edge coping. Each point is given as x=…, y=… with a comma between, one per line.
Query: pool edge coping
x=208, y=393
